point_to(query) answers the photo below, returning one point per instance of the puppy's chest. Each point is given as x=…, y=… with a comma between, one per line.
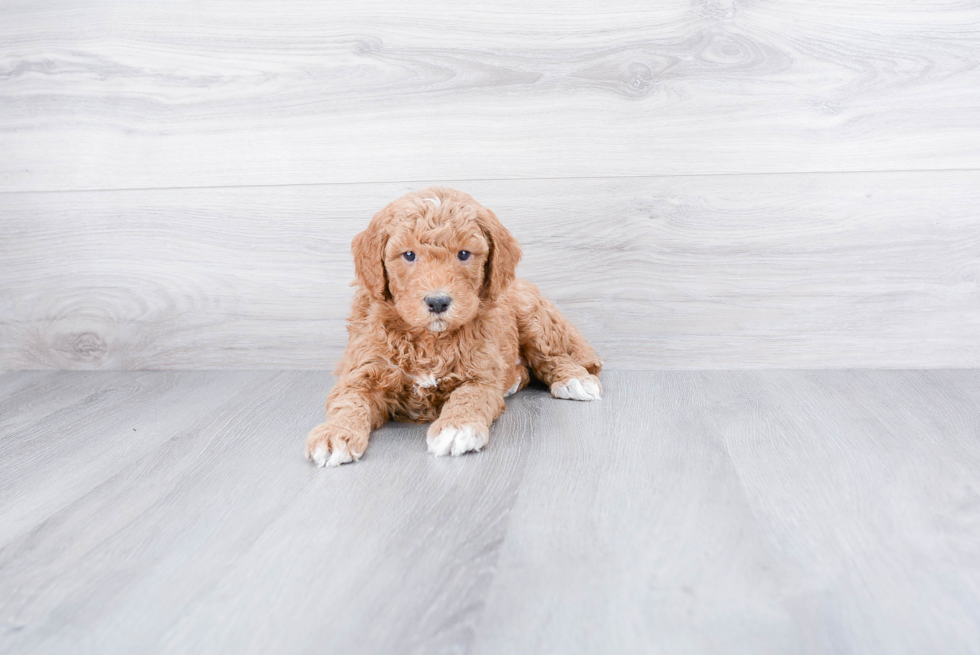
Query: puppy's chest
x=425, y=389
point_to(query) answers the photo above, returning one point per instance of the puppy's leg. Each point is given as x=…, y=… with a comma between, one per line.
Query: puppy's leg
x=464, y=423
x=557, y=352
x=567, y=379
x=352, y=412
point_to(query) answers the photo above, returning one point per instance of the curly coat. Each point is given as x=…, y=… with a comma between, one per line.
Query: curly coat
x=441, y=331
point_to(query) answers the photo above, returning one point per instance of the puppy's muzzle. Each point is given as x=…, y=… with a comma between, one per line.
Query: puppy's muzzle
x=438, y=303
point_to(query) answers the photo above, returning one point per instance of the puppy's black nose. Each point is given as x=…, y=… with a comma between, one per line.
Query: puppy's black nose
x=438, y=304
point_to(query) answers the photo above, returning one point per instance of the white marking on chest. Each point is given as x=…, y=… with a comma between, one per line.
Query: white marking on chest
x=426, y=381
x=435, y=201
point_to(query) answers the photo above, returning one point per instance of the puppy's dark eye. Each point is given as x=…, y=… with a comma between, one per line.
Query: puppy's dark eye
x=464, y=255
x=409, y=256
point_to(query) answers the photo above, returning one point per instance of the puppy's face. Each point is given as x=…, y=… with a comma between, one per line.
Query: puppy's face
x=435, y=261
x=435, y=255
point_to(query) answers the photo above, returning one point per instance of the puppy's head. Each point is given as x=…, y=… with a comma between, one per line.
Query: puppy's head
x=435, y=255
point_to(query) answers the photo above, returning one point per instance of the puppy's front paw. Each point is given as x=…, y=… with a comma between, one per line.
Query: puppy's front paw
x=327, y=445
x=456, y=440
x=586, y=388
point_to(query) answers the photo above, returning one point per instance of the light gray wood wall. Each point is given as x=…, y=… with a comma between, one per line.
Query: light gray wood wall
x=697, y=184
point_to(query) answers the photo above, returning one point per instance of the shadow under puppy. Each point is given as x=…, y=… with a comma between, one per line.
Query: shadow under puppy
x=441, y=331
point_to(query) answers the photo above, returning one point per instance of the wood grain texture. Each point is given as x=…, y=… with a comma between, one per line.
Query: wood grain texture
x=882, y=511
x=75, y=448
x=412, y=546
x=811, y=270
x=748, y=512
x=632, y=534
x=743, y=512
x=118, y=94
x=173, y=528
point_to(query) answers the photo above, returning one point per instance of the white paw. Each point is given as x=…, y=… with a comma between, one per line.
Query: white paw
x=577, y=389
x=319, y=456
x=456, y=441
x=320, y=452
x=341, y=455
x=513, y=389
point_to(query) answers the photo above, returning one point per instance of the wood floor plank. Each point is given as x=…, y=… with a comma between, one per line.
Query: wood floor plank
x=687, y=511
x=397, y=558
x=74, y=565
x=26, y=394
x=867, y=484
x=227, y=513
x=47, y=465
x=632, y=534
x=808, y=271
x=11, y=382
x=43, y=393
x=113, y=94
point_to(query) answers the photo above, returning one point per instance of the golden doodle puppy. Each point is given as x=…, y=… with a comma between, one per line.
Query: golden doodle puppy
x=441, y=331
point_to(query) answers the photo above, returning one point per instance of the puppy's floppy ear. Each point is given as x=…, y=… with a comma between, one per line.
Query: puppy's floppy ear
x=501, y=266
x=368, y=248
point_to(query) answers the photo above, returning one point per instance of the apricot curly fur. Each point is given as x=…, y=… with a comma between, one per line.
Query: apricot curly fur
x=406, y=363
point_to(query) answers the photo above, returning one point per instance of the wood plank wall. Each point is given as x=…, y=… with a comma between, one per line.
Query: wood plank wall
x=697, y=184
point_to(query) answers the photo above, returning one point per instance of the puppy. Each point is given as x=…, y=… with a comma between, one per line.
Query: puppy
x=441, y=331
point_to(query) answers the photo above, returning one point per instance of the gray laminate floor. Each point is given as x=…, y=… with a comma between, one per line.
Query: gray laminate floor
x=686, y=512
